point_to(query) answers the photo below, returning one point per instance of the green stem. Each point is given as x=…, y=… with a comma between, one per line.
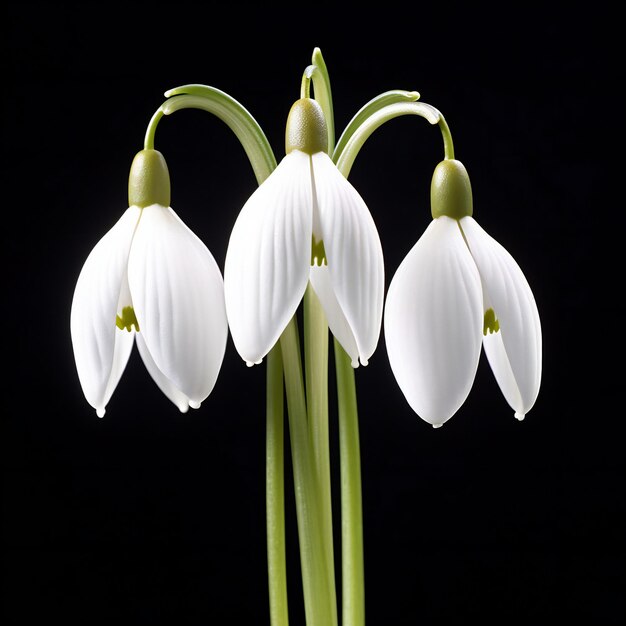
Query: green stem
x=323, y=94
x=319, y=609
x=318, y=73
x=231, y=112
x=353, y=593
x=382, y=100
x=148, y=142
x=316, y=368
x=305, y=85
x=275, y=491
x=448, y=146
x=345, y=158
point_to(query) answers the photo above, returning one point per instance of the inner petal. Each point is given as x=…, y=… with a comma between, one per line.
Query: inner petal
x=337, y=322
x=501, y=367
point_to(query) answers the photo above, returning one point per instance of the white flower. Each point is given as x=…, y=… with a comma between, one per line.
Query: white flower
x=456, y=290
x=305, y=222
x=150, y=279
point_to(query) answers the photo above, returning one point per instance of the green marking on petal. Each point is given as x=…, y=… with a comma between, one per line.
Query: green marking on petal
x=318, y=253
x=127, y=320
x=490, y=323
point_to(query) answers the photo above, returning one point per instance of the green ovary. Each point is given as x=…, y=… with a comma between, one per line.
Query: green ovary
x=318, y=253
x=127, y=320
x=490, y=324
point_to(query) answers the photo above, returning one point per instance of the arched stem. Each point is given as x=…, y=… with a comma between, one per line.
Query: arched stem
x=375, y=104
x=345, y=158
x=231, y=112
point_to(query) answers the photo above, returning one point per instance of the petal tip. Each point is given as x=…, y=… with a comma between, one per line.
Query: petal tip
x=519, y=416
x=100, y=412
x=437, y=425
x=194, y=404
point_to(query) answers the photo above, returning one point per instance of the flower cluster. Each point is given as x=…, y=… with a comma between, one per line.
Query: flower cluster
x=151, y=280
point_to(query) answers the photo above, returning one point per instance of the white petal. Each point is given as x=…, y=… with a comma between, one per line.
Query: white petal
x=433, y=322
x=178, y=296
x=100, y=353
x=353, y=251
x=164, y=383
x=268, y=258
x=507, y=291
x=337, y=323
x=500, y=365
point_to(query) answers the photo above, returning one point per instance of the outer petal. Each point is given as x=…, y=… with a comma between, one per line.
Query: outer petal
x=178, y=295
x=164, y=383
x=515, y=357
x=339, y=327
x=101, y=351
x=353, y=251
x=268, y=258
x=433, y=322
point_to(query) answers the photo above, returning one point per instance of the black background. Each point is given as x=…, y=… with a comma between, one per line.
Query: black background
x=152, y=516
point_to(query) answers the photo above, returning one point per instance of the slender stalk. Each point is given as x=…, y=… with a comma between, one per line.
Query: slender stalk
x=230, y=111
x=375, y=104
x=305, y=85
x=148, y=142
x=346, y=157
x=275, y=491
x=353, y=603
x=323, y=94
x=319, y=610
x=316, y=346
x=316, y=368
x=353, y=593
x=448, y=146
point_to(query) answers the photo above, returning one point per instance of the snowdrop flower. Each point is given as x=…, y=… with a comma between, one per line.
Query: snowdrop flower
x=149, y=279
x=456, y=290
x=304, y=223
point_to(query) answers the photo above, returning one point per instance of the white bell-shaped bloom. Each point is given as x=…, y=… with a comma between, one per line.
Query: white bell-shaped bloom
x=305, y=222
x=456, y=290
x=152, y=279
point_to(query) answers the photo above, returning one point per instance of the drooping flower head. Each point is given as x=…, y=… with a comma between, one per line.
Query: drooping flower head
x=306, y=222
x=149, y=279
x=456, y=290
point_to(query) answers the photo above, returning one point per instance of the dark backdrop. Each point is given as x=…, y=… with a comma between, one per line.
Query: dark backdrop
x=148, y=515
